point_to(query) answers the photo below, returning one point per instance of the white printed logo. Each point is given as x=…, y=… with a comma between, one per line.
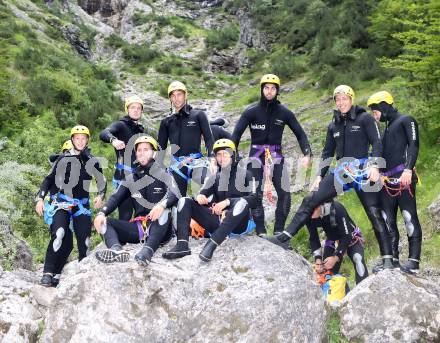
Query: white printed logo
x=336, y=134
x=258, y=126
x=413, y=129
x=191, y=123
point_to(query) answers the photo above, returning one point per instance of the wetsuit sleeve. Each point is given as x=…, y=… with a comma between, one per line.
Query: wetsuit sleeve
x=109, y=132
x=252, y=197
x=373, y=134
x=101, y=181
x=315, y=243
x=345, y=228
x=206, y=132
x=298, y=131
x=242, y=124
x=328, y=152
x=412, y=136
x=208, y=186
x=122, y=193
x=170, y=198
x=162, y=136
x=48, y=181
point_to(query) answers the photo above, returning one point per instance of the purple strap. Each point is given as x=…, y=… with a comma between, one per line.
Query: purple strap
x=140, y=230
x=274, y=149
x=395, y=170
x=329, y=244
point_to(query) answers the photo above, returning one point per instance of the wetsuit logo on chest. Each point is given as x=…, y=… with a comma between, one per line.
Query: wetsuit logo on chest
x=258, y=126
x=191, y=123
x=278, y=122
x=336, y=134
x=355, y=128
x=157, y=190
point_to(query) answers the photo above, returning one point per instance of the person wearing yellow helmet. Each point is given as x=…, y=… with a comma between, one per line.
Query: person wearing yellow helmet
x=349, y=137
x=184, y=129
x=72, y=174
x=120, y=134
x=151, y=191
x=400, y=150
x=231, y=201
x=266, y=121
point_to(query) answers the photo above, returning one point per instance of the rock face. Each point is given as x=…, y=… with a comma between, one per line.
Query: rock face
x=252, y=291
x=249, y=36
x=106, y=8
x=13, y=251
x=392, y=307
x=19, y=315
x=434, y=210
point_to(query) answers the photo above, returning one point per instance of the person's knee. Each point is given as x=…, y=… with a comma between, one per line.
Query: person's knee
x=240, y=208
x=411, y=224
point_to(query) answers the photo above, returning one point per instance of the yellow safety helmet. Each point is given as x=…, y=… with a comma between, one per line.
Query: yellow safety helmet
x=270, y=78
x=146, y=139
x=67, y=145
x=224, y=144
x=344, y=89
x=176, y=86
x=132, y=100
x=378, y=97
x=80, y=129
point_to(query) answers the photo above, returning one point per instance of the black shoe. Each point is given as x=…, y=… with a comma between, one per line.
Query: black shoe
x=181, y=249
x=385, y=263
x=144, y=256
x=396, y=263
x=208, y=250
x=410, y=267
x=281, y=240
x=55, y=280
x=112, y=255
x=46, y=280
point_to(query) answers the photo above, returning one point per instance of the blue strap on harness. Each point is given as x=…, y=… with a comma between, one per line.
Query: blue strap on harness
x=358, y=176
x=184, y=161
x=123, y=167
x=61, y=201
x=250, y=227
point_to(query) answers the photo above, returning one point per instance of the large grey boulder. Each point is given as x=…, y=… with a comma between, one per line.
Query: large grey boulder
x=252, y=291
x=392, y=307
x=20, y=316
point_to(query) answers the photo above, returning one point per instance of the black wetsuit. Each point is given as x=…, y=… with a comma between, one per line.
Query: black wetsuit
x=349, y=136
x=234, y=183
x=266, y=121
x=218, y=131
x=400, y=150
x=145, y=188
x=340, y=228
x=185, y=130
x=72, y=175
x=124, y=130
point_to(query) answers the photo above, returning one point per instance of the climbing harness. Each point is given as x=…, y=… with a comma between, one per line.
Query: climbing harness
x=191, y=162
x=393, y=186
x=143, y=225
x=270, y=152
x=61, y=201
x=354, y=171
x=121, y=167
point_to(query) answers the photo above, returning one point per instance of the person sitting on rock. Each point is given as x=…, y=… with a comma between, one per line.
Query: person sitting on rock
x=343, y=236
x=72, y=174
x=151, y=199
x=222, y=206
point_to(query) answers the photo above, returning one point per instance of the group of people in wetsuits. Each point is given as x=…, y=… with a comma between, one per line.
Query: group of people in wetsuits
x=151, y=194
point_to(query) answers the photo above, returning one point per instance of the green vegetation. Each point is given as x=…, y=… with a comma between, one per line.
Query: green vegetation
x=222, y=38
